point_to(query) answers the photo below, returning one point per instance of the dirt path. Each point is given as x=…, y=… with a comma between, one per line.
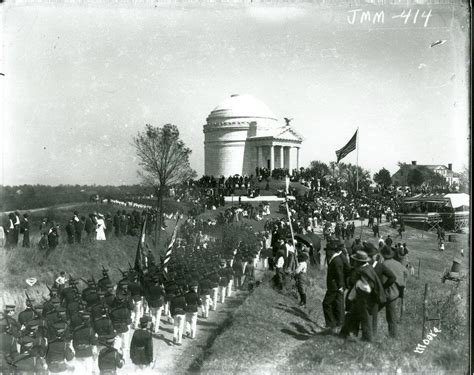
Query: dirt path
x=171, y=359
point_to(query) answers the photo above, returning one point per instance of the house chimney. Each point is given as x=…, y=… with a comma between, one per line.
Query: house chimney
x=413, y=162
x=450, y=166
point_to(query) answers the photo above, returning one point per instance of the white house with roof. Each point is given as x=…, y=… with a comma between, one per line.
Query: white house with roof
x=242, y=133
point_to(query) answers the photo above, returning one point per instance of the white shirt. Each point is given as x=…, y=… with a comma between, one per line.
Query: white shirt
x=302, y=267
x=280, y=262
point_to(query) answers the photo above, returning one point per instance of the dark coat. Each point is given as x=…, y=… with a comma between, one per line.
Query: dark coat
x=141, y=347
x=335, y=276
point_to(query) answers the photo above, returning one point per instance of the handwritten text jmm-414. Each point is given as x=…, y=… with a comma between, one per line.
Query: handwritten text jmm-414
x=407, y=16
x=429, y=337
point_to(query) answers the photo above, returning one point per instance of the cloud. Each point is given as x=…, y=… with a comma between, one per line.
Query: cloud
x=275, y=14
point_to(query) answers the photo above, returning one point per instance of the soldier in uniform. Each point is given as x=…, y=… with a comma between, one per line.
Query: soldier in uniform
x=141, y=347
x=155, y=299
x=136, y=293
x=178, y=310
x=192, y=303
x=102, y=283
x=205, y=293
x=214, y=278
x=110, y=359
x=28, y=361
x=120, y=314
x=84, y=341
x=223, y=282
x=8, y=342
x=103, y=325
x=59, y=351
x=170, y=290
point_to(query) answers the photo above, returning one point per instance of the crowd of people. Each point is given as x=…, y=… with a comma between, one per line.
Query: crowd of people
x=104, y=325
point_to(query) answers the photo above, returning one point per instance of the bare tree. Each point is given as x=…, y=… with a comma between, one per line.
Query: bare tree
x=164, y=159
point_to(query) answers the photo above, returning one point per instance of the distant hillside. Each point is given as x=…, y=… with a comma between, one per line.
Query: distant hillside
x=25, y=197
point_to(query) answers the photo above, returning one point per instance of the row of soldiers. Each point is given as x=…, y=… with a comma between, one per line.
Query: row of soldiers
x=91, y=328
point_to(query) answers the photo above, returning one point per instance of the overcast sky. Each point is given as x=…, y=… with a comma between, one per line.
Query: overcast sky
x=80, y=82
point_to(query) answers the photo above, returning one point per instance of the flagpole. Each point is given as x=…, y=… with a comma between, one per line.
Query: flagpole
x=357, y=162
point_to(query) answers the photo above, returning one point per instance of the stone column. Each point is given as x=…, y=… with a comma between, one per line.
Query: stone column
x=282, y=164
x=272, y=158
x=298, y=158
x=259, y=156
x=257, y=151
x=290, y=164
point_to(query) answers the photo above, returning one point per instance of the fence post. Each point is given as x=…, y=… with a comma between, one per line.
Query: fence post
x=424, y=311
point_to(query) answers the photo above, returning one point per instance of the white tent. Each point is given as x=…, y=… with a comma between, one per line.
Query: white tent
x=458, y=199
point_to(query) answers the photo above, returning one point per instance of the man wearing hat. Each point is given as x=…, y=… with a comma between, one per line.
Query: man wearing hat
x=8, y=339
x=141, y=347
x=300, y=276
x=84, y=342
x=205, y=294
x=385, y=275
x=365, y=290
x=223, y=281
x=59, y=350
x=110, y=359
x=214, y=279
x=192, y=303
x=394, y=291
x=28, y=361
x=155, y=297
x=279, y=269
x=25, y=229
x=120, y=314
x=178, y=311
x=333, y=303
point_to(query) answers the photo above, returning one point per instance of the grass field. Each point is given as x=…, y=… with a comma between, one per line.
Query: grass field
x=269, y=333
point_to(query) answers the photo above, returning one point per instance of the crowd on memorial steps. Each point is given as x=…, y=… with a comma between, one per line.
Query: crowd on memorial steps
x=103, y=324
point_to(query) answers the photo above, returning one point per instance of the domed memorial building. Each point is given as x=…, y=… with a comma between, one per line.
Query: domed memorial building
x=242, y=133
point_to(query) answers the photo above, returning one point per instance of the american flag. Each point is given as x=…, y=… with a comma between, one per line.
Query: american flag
x=140, y=256
x=348, y=148
x=169, y=250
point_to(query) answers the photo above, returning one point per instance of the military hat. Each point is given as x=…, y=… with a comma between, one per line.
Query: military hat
x=38, y=307
x=144, y=319
x=33, y=324
x=9, y=308
x=84, y=313
x=108, y=338
x=61, y=310
x=60, y=327
x=193, y=284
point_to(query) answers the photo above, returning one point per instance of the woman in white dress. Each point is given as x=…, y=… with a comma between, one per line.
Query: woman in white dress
x=100, y=228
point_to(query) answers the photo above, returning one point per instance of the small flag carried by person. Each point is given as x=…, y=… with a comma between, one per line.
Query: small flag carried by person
x=348, y=148
x=169, y=250
x=140, y=256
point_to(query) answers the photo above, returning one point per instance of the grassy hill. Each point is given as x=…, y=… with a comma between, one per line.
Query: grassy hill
x=269, y=333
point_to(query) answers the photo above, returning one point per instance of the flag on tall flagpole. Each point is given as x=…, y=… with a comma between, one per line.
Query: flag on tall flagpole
x=169, y=250
x=348, y=148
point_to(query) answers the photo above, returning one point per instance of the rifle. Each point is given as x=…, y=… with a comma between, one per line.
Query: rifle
x=123, y=273
x=30, y=302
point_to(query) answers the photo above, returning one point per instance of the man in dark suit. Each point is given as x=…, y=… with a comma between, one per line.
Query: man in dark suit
x=333, y=303
x=141, y=347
